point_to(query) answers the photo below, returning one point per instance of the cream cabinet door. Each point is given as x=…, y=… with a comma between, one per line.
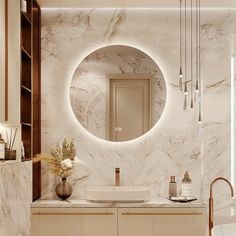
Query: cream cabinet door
x=135, y=222
x=73, y=222
x=161, y=222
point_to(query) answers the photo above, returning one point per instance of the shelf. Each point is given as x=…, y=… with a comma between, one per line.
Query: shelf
x=26, y=74
x=26, y=108
x=9, y=162
x=26, y=124
x=25, y=89
x=26, y=159
x=25, y=20
x=31, y=88
x=25, y=54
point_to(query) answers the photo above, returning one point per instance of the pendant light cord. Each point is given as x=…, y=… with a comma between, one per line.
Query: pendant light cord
x=185, y=47
x=197, y=76
x=199, y=62
x=180, y=36
x=191, y=52
x=199, y=46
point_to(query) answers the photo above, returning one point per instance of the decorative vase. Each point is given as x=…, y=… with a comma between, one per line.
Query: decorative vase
x=63, y=189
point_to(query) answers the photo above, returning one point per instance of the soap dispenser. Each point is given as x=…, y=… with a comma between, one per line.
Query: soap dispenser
x=186, y=185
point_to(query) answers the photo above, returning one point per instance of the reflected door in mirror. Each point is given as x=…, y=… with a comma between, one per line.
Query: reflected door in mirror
x=129, y=104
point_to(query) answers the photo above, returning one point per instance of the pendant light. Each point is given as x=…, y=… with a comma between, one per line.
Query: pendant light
x=180, y=48
x=185, y=55
x=192, y=70
x=199, y=65
x=191, y=52
x=197, y=51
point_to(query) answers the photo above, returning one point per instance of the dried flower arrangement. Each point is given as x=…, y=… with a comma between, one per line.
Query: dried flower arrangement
x=62, y=158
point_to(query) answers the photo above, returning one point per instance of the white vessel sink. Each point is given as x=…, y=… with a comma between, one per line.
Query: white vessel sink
x=118, y=194
x=224, y=230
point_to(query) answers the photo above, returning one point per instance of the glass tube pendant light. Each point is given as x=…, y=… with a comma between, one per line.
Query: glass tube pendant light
x=180, y=48
x=190, y=63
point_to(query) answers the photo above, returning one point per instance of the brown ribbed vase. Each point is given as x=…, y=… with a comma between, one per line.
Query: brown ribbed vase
x=63, y=189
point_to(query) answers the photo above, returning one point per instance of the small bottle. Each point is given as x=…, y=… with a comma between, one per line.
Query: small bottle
x=186, y=185
x=2, y=148
x=117, y=176
x=172, y=187
x=24, y=6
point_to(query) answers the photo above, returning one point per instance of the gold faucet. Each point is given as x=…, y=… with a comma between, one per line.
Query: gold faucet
x=211, y=204
x=117, y=176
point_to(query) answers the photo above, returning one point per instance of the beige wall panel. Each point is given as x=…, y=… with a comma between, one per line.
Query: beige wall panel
x=2, y=60
x=14, y=61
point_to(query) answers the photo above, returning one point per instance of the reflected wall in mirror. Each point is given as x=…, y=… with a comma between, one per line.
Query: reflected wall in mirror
x=118, y=93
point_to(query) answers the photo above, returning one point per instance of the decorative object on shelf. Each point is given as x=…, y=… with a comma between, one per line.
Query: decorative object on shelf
x=63, y=189
x=61, y=161
x=10, y=153
x=24, y=6
x=190, y=73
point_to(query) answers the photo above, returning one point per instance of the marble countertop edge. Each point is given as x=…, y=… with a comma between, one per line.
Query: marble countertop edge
x=72, y=203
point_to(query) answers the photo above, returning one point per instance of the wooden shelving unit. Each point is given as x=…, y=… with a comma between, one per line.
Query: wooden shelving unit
x=36, y=88
x=26, y=79
x=31, y=89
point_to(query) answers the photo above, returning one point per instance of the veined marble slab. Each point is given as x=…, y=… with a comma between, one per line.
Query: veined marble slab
x=176, y=143
x=15, y=199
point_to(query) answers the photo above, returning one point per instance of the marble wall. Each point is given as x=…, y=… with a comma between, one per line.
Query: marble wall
x=176, y=143
x=15, y=199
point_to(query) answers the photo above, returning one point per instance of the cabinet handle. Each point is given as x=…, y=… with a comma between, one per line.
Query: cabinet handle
x=162, y=214
x=76, y=213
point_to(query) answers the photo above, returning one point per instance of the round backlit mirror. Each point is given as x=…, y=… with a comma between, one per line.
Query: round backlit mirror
x=118, y=93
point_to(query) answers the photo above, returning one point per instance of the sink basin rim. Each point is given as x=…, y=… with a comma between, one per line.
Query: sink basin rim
x=118, y=194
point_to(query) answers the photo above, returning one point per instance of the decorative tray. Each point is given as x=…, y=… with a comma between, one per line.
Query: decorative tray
x=182, y=199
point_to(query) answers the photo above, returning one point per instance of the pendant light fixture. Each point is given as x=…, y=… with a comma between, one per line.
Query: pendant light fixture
x=180, y=48
x=199, y=65
x=191, y=52
x=185, y=55
x=197, y=51
x=190, y=62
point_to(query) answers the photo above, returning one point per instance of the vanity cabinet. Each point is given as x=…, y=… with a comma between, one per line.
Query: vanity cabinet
x=118, y=221
x=161, y=222
x=74, y=222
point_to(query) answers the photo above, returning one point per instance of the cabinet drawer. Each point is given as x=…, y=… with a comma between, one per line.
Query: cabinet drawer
x=161, y=222
x=74, y=222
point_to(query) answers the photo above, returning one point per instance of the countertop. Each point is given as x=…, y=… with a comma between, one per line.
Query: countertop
x=158, y=203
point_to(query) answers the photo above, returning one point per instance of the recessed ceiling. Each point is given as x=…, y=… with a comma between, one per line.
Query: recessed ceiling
x=131, y=3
